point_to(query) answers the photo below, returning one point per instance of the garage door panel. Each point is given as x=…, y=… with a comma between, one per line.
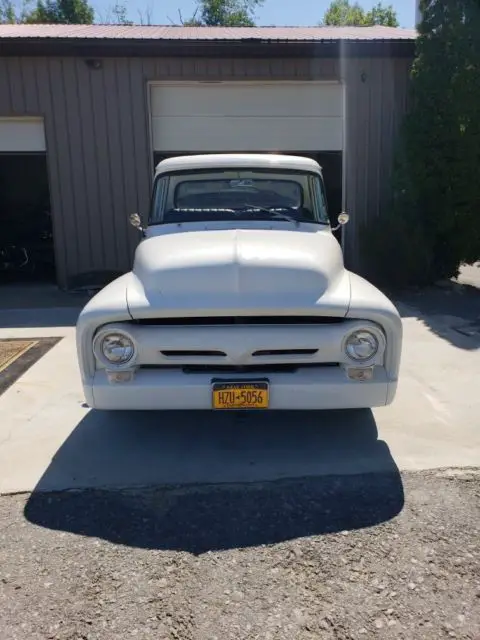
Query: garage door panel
x=248, y=100
x=22, y=135
x=247, y=134
x=247, y=116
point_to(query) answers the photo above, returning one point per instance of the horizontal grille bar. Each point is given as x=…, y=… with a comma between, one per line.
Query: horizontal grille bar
x=193, y=354
x=238, y=320
x=286, y=352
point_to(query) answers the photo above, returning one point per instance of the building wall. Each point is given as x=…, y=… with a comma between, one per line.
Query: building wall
x=377, y=95
x=98, y=139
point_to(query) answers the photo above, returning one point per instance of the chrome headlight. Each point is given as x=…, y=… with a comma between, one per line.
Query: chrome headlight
x=361, y=345
x=114, y=348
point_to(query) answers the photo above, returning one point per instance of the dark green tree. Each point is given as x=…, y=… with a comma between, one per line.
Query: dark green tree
x=435, y=218
x=225, y=13
x=14, y=11
x=343, y=13
x=7, y=12
x=382, y=15
x=62, y=12
x=119, y=14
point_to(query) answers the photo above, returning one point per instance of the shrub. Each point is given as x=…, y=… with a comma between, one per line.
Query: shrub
x=432, y=224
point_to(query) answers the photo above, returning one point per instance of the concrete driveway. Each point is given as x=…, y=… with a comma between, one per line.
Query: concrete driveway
x=49, y=440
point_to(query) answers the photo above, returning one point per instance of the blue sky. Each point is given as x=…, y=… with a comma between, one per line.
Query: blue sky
x=278, y=12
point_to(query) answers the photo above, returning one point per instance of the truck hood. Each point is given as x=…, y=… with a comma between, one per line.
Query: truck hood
x=194, y=272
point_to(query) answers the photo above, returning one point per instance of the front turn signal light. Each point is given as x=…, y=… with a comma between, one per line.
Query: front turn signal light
x=360, y=374
x=118, y=377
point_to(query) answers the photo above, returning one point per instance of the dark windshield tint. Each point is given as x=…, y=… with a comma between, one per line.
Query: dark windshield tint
x=233, y=194
x=227, y=194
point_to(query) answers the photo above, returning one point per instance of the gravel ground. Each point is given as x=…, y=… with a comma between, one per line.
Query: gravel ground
x=384, y=556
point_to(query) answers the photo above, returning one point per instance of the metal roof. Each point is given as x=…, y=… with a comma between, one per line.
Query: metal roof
x=225, y=34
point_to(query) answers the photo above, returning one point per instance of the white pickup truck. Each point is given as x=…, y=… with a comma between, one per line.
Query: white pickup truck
x=239, y=299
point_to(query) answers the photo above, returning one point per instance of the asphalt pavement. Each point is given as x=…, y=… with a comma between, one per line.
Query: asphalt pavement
x=343, y=557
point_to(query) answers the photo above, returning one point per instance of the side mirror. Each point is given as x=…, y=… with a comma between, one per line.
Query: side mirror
x=135, y=221
x=342, y=219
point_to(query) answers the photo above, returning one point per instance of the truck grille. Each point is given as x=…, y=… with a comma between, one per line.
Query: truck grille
x=251, y=368
x=238, y=320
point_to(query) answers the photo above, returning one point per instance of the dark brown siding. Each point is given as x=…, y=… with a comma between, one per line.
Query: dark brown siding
x=98, y=138
x=376, y=98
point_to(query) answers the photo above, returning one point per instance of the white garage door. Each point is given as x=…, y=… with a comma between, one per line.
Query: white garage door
x=22, y=134
x=300, y=116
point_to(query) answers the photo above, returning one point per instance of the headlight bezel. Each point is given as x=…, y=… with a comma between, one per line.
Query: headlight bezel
x=100, y=356
x=375, y=355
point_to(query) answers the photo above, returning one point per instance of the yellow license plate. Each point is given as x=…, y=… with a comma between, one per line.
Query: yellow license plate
x=240, y=395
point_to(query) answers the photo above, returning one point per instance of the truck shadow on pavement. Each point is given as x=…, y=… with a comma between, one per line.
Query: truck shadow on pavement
x=203, y=481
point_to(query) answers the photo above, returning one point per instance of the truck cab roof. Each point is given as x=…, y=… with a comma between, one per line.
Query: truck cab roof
x=234, y=160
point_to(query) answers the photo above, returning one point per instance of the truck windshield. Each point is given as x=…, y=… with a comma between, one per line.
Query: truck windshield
x=240, y=194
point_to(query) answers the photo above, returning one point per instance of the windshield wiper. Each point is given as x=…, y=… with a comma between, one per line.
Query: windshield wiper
x=272, y=212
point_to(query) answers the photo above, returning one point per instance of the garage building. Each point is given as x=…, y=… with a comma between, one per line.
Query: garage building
x=87, y=111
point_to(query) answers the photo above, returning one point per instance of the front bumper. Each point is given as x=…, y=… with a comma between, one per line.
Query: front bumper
x=314, y=389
